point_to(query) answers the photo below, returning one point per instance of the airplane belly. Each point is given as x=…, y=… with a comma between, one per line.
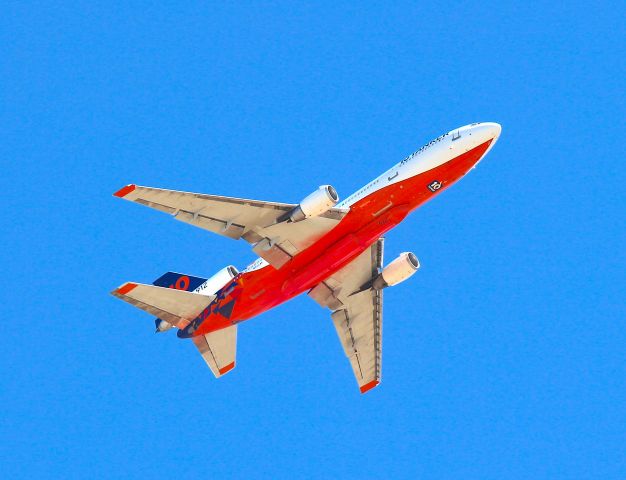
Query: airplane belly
x=266, y=288
x=368, y=220
x=343, y=252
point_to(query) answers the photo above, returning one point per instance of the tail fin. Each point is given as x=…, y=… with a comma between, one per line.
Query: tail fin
x=179, y=281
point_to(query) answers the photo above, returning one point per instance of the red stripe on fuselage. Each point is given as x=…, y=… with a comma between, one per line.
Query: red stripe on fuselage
x=368, y=219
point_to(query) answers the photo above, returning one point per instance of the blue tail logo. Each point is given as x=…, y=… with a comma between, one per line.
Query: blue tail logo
x=179, y=281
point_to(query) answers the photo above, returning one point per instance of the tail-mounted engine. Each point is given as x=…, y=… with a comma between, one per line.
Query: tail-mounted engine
x=208, y=287
x=217, y=281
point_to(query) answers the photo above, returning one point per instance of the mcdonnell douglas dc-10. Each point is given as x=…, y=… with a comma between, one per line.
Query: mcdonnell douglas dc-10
x=332, y=250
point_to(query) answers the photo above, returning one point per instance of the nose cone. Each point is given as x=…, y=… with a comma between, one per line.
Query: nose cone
x=467, y=138
x=486, y=131
x=493, y=129
x=476, y=134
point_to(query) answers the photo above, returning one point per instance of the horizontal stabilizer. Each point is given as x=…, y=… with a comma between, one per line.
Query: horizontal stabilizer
x=218, y=349
x=176, y=307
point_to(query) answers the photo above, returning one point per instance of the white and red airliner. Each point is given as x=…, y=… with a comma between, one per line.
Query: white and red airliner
x=332, y=250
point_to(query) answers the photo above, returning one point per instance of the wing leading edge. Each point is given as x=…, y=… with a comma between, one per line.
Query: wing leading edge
x=258, y=222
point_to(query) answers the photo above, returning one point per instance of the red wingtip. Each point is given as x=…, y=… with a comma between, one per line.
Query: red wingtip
x=127, y=287
x=122, y=192
x=227, y=368
x=368, y=386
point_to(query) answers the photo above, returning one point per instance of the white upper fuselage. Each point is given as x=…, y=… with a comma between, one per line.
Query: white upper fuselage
x=435, y=153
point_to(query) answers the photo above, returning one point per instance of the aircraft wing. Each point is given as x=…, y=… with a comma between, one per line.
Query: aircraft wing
x=357, y=313
x=176, y=307
x=257, y=222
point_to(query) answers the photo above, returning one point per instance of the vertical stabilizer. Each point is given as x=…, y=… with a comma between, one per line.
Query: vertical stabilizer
x=179, y=281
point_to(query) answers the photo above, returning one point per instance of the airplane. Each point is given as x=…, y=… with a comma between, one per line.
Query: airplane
x=330, y=249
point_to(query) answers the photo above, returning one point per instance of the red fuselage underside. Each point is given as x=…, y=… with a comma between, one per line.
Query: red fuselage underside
x=368, y=219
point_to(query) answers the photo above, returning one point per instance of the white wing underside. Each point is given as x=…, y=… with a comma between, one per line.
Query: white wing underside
x=356, y=311
x=257, y=222
x=358, y=317
x=176, y=307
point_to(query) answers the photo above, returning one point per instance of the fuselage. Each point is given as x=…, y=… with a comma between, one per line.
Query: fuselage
x=373, y=210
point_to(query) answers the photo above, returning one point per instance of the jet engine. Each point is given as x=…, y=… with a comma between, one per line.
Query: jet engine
x=217, y=281
x=397, y=271
x=318, y=202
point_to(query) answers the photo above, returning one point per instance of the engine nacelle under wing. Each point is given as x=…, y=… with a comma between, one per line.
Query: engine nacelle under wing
x=318, y=202
x=397, y=271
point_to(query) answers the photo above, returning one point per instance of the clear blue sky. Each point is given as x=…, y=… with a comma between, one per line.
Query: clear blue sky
x=504, y=357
